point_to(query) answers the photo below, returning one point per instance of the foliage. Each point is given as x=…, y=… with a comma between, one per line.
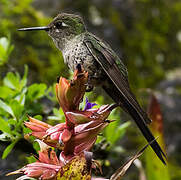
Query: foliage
x=17, y=99
x=118, y=129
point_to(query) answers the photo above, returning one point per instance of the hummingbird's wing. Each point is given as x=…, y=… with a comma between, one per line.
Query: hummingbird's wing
x=114, y=68
x=118, y=87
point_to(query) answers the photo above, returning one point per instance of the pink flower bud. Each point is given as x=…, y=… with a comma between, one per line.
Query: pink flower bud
x=69, y=94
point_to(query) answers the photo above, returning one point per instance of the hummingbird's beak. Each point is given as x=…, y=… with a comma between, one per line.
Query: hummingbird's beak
x=34, y=28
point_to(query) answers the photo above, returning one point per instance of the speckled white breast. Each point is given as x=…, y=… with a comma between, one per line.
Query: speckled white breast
x=75, y=52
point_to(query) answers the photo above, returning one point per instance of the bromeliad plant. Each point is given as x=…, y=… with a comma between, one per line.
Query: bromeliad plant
x=75, y=137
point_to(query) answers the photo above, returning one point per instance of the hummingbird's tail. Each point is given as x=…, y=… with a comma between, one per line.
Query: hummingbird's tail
x=139, y=116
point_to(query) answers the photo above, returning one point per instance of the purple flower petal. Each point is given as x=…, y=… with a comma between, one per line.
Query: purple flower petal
x=88, y=105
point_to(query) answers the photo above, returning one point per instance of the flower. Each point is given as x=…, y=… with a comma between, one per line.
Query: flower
x=79, y=167
x=46, y=167
x=38, y=127
x=49, y=134
x=70, y=94
x=84, y=138
x=89, y=105
x=49, y=167
x=100, y=114
x=71, y=142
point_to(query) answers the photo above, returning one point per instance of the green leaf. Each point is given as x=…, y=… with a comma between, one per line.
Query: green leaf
x=9, y=149
x=53, y=118
x=112, y=126
x=17, y=108
x=4, y=126
x=120, y=131
x=11, y=122
x=39, y=117
x=108, y=131
x=24, y=79
x=4, y=43
x=5, y=137
x=155, y=169
x=6, y=92
x=31, y=159
x=6, y=108
x=12, y=80
x=58, y=112
x=2, y=55
x=21, y=97
x=26, y=130
x=51, y=93
x=5, y=49
x=10, y=49
x=115, y=127
x=58, y=115
x=36, y=91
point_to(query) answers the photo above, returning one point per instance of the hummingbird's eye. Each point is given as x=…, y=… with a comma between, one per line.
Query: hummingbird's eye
x=58, y=25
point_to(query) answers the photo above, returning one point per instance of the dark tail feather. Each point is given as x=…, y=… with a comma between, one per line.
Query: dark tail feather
x=147, y=133
x=138, y=118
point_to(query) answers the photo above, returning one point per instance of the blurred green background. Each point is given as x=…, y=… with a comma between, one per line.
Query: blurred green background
x=146, y=34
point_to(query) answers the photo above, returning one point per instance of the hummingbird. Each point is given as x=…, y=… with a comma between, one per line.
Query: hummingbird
x=105, y=68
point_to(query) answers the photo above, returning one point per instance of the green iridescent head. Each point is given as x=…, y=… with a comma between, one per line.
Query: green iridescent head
x=65, y=25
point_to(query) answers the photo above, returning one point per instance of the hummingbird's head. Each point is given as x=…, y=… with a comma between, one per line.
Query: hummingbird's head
x=63, y=28
x=65, y=25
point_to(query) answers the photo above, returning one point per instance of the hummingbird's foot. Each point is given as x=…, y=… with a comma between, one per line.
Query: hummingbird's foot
x=89, y=87
x=79, y=67
x=80, y=70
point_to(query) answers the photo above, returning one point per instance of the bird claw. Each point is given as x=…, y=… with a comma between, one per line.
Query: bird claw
x=79, y=67
x=89, y=87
